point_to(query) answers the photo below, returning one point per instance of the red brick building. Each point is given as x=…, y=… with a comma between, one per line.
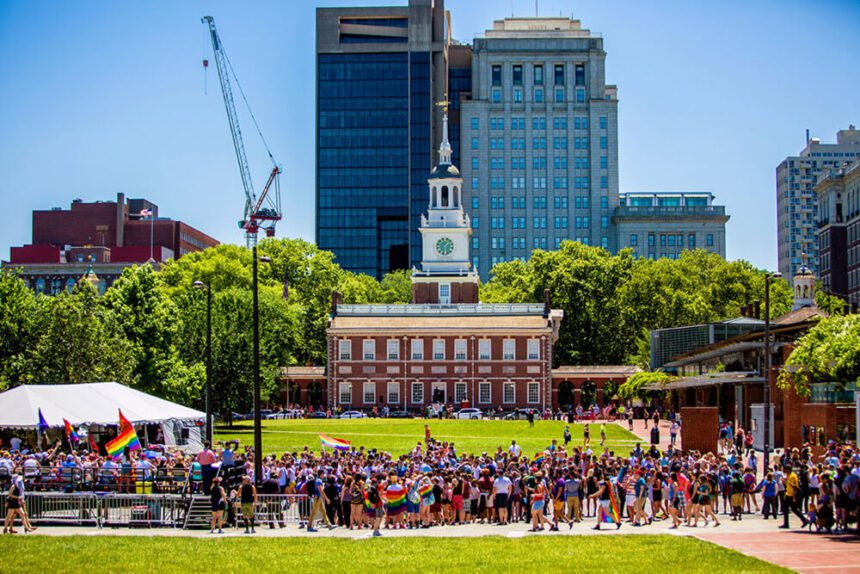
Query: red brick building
x=105, y=236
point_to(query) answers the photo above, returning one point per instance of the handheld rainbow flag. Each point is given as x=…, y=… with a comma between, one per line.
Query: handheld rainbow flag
x=611, y=515
x=335, y=443
x=126, y=438
x=71, y=435
x=538, y=459
x=395, y=496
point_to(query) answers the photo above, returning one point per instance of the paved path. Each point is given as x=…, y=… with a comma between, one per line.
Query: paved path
x=801, y=551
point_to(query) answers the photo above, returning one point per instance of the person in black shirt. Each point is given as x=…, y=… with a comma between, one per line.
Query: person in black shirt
x=248, y=500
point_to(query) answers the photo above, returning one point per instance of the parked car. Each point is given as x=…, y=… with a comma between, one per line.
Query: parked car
x=400, y=415
x=353, y=415
x=470, y=414
x=318, y=415
x=517, y=415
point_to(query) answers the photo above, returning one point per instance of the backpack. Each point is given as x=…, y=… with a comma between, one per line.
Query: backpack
x=312, y=487
x=372, y=495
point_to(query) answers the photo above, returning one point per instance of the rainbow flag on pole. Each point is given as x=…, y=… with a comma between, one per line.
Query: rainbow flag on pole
x=538, y=459
x=126, y=438
x=71, y=435
x=335, y=443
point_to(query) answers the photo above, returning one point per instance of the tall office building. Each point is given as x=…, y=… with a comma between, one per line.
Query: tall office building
x=538, y=140
x=796, y=178
x=379, y=73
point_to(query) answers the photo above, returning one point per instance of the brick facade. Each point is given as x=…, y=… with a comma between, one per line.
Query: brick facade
x=699, y=426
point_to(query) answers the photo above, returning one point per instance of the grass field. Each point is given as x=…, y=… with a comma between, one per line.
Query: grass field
x=129, y=555
x=398, y=436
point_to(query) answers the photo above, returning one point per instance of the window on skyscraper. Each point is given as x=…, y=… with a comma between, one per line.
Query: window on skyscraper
x=604, y=222
x=602, y=142
x=538, y=74
x=559, y=74
x=474, y=143
x=538, y=95
x=474, y=123
x=634, y=240
x=580, y=95
x=518, y=95
x=604, y=162
x=604, y=202
x=603, y=122
x=709, y=240
x=518, y=75
x=580, y=75
x=497, y=75
x=604, y=242
x=559, y=95
x=691, y=240
x=497, y=96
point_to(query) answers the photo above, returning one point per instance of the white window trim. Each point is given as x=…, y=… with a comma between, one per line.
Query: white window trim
x=371, y=344
x=347, y=345
x=489, y=345
x=437, y=355
x=364, y=388
x=419, y=355
x=461, y=345
x=345, y=389
x=505, y=386
x=531, y=385
x=417, y=385
x=395, y=347
x=393, y=388
x=458, y=397
x=505, y=354
x=482, y=386
x=533, y=345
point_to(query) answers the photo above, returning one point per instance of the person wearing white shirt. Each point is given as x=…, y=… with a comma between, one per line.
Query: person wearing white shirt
x=515, y=449
x=501, y=492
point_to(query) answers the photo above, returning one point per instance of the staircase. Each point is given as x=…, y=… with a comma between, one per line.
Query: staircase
x=199, y=513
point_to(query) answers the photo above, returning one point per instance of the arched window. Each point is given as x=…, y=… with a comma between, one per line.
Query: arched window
x=457, y=198
x=433, y=200
x=444, y=200
x=70, y=284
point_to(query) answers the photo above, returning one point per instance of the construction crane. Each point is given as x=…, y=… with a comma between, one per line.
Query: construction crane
x=263, y=211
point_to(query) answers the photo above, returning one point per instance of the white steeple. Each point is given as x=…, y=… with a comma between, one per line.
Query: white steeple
x=445, y=146
x=804, y=286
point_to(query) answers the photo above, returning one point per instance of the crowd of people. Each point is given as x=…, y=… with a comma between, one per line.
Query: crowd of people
x=434, y=484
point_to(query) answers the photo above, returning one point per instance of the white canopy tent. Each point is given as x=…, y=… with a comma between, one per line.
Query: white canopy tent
x=89, y=404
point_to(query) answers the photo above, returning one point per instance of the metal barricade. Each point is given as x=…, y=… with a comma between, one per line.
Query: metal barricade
x=143, y=510
x=278, y=509
x=59, y=508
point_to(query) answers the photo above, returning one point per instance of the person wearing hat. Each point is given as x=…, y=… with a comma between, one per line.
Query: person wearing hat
x=248, y=501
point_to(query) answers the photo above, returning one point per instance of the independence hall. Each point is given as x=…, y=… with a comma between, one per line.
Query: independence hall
x=445, y=347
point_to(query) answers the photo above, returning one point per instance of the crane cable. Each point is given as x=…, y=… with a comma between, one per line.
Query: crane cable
x=248, y=106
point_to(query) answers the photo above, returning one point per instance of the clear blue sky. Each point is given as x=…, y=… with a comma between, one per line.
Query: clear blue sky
x=102, y=97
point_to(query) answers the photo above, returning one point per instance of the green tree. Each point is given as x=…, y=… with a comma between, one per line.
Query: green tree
x=78, y=341
x=18, y=313
x=633, y=387
x=829, y=353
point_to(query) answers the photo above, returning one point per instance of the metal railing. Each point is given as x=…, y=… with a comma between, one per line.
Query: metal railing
x=148, y=510
x=128, y=481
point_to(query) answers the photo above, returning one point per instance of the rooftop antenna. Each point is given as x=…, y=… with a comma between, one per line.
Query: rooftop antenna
x=536, y=8
x=807, y=136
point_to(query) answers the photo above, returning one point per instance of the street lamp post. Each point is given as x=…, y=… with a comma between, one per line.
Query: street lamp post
x=258, y=426
x=767, y=366
x=202, y=285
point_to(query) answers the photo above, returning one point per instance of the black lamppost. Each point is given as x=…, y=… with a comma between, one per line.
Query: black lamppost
x=258, y=426
x=767, y=366
x=202, y=285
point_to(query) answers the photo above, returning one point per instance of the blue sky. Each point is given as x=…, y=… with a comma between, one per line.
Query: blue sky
x=102, y=97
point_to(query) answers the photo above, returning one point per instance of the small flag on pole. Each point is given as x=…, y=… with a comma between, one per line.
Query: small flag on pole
x=71, y=435
x=93, y=446
x=335, y=443
x=125, y=438
x=43, y=424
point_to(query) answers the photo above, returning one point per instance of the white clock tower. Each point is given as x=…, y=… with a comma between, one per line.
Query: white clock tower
x=446, y=275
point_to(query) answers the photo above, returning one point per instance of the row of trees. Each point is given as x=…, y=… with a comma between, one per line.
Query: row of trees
x=148, y=330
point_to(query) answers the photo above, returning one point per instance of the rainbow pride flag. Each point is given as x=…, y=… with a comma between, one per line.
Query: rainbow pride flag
x=335, y=443
x=395, y=496
x=425, y=490
x=539, y=458
x=612, y=515
x=70, y=432
x=126, y=438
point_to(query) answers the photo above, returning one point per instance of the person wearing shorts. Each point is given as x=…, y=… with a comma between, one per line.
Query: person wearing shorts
x=247, y=501
x=501, y=491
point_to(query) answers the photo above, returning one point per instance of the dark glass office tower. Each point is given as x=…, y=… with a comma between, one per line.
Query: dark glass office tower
x=379, y=73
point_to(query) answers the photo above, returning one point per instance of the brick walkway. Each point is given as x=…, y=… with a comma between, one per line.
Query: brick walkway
x=803, y=552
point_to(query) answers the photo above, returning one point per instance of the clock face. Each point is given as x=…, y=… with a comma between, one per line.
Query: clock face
x=444, y=246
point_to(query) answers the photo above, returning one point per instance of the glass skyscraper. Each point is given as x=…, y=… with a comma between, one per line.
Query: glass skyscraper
x=379, y=73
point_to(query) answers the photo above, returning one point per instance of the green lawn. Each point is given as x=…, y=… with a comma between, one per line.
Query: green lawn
x=398, y=436
x=132, y=554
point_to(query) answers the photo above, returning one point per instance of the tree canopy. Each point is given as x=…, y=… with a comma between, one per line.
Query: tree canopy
x=829, y=352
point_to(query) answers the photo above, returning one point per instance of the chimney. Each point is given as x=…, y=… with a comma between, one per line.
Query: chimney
x=120, y=220
x=547, y=307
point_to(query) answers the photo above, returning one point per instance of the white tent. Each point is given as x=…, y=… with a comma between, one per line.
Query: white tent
x=86, y=404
